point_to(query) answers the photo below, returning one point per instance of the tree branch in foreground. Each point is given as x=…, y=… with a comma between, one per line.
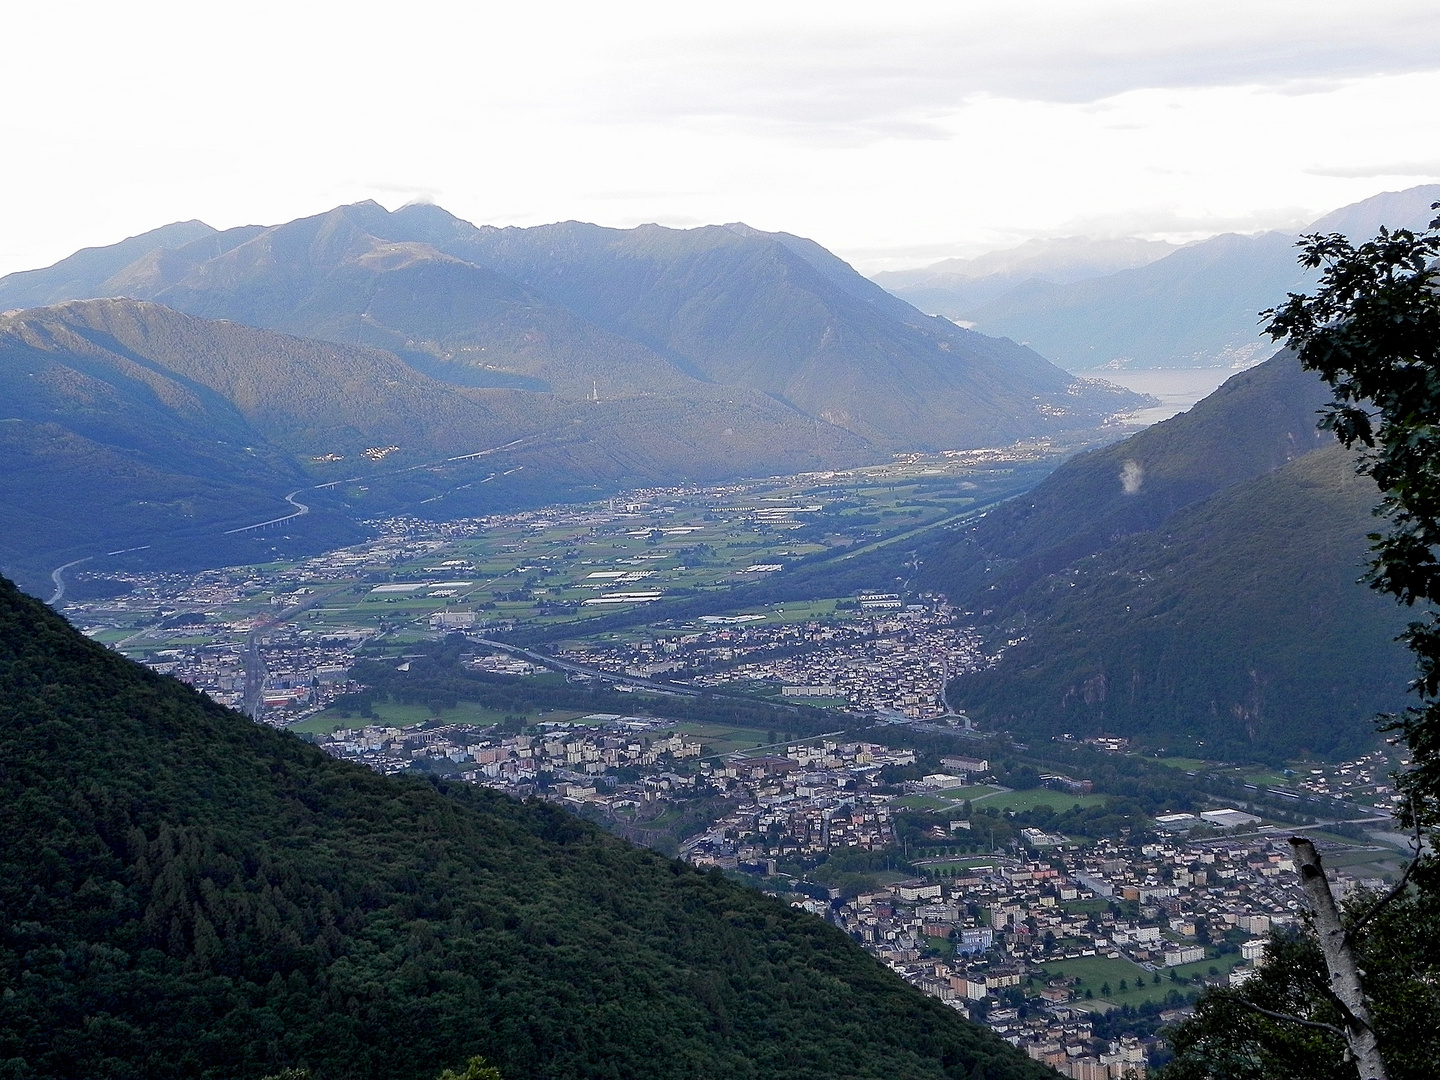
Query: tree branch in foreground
x=1287, y=1018
x=1375, y=908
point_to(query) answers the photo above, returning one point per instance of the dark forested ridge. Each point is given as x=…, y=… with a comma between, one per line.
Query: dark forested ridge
x=184, y=893
x=1196, y=582
x=1256, y=422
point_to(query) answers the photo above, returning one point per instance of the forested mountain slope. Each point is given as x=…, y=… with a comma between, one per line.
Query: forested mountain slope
x=186, y=894
x=1257, y=421
x=88, y=271
x=581, y=311
x=125, y=423
x=1237, y=628
x=1197, y=581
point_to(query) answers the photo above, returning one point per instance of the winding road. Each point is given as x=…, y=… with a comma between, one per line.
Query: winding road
x=300, y=511
x=58, y=577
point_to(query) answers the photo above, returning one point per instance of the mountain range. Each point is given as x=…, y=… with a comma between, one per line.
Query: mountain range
x=1194, y=586
x=1197, y=306
x=955, y=287
x=555, y=361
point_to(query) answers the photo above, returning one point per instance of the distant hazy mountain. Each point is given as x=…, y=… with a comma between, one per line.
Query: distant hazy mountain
x=956, y=288
x=579, y=311
x=1196, y=307
x=87, y=272
x=1194, y=582
x=127, y=423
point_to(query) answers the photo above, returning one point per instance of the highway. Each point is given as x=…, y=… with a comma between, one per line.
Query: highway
x=58, y=577
x=300, y=511
x=581, y=669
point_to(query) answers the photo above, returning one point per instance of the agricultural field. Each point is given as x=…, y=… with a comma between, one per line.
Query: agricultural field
x=949, y=799
x=1018, y=801
x=393, y=714
x=1096, y=973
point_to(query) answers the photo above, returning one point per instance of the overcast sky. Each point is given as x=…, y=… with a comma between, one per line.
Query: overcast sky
x=893, y=133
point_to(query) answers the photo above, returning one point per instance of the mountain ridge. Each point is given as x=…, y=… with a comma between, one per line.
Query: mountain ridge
x=1255, y=422
x=1238, y=629
x=128, y=424
x=1196, y=307
x=656, y=309
x=1197, y=581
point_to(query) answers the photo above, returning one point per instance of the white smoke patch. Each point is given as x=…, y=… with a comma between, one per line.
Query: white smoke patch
x=1132, y=475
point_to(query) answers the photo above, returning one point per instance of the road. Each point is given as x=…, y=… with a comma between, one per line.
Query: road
x=255, y=671
x=58, y=577
x=300, y=511
x=254, y=676
x=596, y=673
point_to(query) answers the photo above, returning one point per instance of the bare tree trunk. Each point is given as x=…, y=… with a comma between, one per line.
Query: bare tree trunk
x=1340, y=961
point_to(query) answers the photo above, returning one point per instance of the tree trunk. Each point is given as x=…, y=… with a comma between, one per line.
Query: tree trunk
x=1340, y=961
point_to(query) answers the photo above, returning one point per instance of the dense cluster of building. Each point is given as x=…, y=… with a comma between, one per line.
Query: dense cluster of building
x=1365, y=780
x=888, y=658
x=897, y=664
x=994, y=938
x=814, y=799
x=569, y=756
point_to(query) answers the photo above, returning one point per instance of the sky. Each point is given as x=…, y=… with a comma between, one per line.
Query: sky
x=895, y=134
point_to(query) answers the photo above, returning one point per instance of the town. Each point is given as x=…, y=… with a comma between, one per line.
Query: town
x=1077, y=949
x=1040, y=940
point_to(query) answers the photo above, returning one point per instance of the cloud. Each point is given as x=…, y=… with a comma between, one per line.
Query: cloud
x=890, y=133
x=891, y=73
x=1132, y=475
x=1407, y=169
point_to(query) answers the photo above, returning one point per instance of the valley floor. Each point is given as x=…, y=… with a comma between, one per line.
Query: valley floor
x=1029, y=887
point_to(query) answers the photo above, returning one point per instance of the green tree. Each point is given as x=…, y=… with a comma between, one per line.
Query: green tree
x=475, y=1069
x=1284, y=1023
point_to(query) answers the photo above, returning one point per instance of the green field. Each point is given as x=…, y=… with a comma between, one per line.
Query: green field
x=1188, y=764
x=542, y=576
x=1269, y=779
x=721, y=739
x=393, y=715
x=1096, y=971
x=948, y=799
x=1093, y=906
x=1018, y=801
x=820, y=702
